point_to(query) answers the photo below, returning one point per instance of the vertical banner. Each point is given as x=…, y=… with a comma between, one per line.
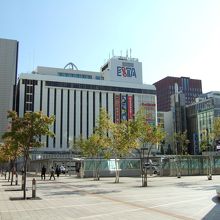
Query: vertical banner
x=117, y=109
x=130, y=107
x=124, y=108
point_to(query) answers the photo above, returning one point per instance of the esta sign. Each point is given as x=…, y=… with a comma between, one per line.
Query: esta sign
x=126, y=71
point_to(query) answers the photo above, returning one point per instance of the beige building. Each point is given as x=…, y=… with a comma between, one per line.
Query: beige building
x=8, y=76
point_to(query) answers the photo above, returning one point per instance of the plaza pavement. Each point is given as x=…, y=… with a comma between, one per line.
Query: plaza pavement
x=68, y=197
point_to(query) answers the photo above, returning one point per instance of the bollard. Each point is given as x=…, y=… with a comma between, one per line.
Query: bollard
x=22, y=182
x=16, y=179
x=33, y=188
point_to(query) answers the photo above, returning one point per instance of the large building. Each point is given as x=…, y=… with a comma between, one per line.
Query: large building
x=200, y=119
x=75, y=98
x=8, y=76
x=191, y=88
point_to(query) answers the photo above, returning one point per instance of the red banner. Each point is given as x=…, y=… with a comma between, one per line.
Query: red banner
x=130, y=107
x=117, y=109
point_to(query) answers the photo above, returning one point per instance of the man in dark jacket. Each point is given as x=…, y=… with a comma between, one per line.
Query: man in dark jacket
x=43, y=172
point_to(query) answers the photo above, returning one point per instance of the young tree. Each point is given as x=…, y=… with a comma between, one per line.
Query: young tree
x=181, y=141
x=26, y=132
x=123, y=141
x=96, y=145
x=11, y=151
x=216, y=129
x=206, y=144
x=147, y=135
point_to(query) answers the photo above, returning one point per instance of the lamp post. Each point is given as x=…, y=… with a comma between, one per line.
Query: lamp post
x=143, y=167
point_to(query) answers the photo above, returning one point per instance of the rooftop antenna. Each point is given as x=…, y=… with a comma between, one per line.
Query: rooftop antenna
x=112, y=52
x=33, y=58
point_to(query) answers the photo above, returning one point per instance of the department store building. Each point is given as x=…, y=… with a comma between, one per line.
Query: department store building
x=75, y=98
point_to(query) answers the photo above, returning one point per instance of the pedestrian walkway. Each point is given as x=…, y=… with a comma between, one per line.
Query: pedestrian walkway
x=69, y=197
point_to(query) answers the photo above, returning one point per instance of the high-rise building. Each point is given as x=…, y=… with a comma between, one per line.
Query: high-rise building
x=8, y=76
x=191, y=88
x=75, y=98
x=200, y=120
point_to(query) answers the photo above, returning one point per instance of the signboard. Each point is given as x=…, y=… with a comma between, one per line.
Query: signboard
x=130, y=107
x=123, y=107
x=117, y=109
x=112, y=166
x=126, y=71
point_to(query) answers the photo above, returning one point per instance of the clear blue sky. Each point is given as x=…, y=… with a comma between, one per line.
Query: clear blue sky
x=170, y=37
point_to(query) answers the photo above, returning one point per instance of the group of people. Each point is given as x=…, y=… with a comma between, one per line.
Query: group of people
x=53, y=171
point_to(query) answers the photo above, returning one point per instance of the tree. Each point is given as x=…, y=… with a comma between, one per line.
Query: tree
x=206, y=144
x=123, y=141
x=11, y=151
x=216, y=129
x=181, y=141
x=147, y=135
x=96, y=145
x=25, y=131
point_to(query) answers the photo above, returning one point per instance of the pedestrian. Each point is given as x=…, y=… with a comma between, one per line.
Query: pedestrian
x=43, y=172
x=57, y=171
x=22, y=171
x=52, y=172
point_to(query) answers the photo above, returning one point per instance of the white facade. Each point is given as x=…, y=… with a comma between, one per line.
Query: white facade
x=76, y=100
x=8, y=74
x=123, y=69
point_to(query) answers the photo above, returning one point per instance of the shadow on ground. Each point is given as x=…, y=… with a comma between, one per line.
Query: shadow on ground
x=21, y=198
x=214, y=212
x=195, y=187
x=81, y=192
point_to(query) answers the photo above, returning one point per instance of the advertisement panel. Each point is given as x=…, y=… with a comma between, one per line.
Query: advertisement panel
x=117, y=109
x=150, y=111
x=123, y=107
x=130, y=107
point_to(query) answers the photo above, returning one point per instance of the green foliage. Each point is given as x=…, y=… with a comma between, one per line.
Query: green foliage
x=181, y=140
x=146, y=133
x=96, y=145
x=216, y=128
x=206, y=140
x=25, y=132
x=123, y=138
x=9, y=150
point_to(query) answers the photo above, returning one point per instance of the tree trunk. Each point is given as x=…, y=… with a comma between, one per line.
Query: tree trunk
x=179, y=168
x=116, y=171
x=12, y=172
x=210, y=168
x=25, y=175
x=95, y=171
x=98, y=170
x=145, y=177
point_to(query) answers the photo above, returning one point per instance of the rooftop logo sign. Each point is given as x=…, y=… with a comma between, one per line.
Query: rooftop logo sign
x=126, y=71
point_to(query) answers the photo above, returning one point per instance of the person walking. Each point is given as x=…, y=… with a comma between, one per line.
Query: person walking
x=52, y=172
x=57, y=171
x=43, y=172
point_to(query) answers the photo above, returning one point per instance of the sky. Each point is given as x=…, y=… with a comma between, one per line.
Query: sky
x=170, y=37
